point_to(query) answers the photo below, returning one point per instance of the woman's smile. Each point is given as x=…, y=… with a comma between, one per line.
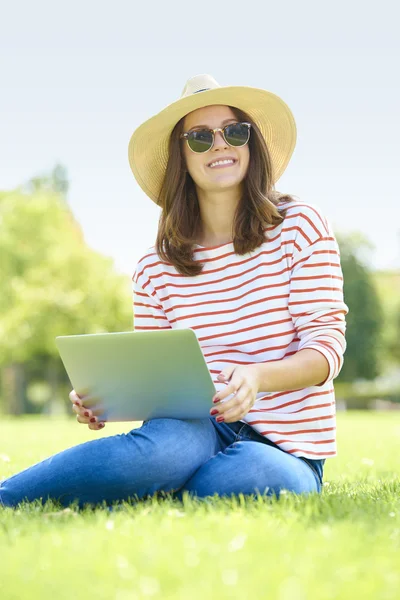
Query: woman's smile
x=222, y=163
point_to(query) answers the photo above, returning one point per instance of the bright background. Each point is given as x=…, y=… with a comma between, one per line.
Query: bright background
x=76, y=78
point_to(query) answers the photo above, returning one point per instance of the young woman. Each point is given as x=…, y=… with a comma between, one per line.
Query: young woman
x=257, y=276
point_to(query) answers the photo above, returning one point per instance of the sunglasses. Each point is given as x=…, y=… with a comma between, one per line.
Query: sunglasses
x=202, y=140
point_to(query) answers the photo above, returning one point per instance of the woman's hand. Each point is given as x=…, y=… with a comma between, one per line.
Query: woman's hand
x=244, y=384
x=83, y=414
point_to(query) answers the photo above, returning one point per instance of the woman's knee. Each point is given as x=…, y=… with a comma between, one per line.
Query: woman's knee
x=251, y=467
x=279, y=471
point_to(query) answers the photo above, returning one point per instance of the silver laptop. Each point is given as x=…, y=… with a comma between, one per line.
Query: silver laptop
x=135, y=376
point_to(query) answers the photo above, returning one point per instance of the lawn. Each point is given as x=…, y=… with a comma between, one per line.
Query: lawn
x=343, y=544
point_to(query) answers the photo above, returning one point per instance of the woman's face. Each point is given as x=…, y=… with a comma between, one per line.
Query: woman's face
x=206, y=175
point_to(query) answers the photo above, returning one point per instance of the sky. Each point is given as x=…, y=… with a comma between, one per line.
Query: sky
x=77, y=78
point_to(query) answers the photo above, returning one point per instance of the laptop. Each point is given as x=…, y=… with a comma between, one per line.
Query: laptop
x=139, y=375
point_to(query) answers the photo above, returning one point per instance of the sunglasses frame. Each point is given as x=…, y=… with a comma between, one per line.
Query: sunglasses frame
x=186, y=134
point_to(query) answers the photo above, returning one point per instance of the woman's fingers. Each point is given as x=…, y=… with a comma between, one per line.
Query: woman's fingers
x=75, y=399
x=95, y=425
x=80, y=400
x=87, y=412
x=88, y=404
x=82, y=420
x=82, y=412
x=85, y=415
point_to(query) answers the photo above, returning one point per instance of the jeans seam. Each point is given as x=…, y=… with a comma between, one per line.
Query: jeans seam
x=238, y=434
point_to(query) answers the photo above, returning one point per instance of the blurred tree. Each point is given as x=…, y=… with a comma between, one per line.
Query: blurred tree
x=52, y=282
x=387, y=284
x=55, y=181
x=394, y=342
x=365, y=318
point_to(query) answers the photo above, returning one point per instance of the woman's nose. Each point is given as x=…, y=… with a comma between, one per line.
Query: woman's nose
x=219, y=141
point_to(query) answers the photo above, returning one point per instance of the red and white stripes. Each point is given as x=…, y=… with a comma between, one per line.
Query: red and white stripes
x=263, y=306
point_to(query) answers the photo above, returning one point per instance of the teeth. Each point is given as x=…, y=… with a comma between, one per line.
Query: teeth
x=221, y=162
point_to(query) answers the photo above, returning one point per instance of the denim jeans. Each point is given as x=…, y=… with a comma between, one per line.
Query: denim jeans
x=200, y=456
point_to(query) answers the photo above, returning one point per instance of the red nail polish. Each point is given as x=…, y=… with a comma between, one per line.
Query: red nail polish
x=93, y=420
x=220, y=419
x=216, y=400
x=214, y=412
x=86, y=414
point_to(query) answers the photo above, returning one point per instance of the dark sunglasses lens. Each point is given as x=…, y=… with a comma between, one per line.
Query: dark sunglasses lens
x=237, y=134
x=200, y=141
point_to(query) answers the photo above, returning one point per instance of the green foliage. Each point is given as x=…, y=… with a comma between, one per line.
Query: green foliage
x=394, y=342
x=387, y=284
x=365, y=318
x=52, y=282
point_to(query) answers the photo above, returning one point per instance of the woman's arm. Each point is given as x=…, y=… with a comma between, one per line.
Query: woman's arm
x=318, y=312
x=317, y=309
x=305, y=368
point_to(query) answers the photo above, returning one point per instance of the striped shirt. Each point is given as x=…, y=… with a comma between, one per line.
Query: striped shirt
x=284, y=296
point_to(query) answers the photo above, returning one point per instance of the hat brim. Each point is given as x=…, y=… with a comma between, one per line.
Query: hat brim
x=148, y=146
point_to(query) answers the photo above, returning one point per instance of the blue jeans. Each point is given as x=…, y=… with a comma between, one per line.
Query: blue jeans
x=199, y=456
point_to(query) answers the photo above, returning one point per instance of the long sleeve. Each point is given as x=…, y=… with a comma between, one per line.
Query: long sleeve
x=148, y=314
x=316, y=301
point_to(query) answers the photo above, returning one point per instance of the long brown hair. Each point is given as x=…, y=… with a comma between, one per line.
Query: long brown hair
x=180, y=215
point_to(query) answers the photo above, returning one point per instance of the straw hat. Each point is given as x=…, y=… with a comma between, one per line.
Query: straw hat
x=148, y=146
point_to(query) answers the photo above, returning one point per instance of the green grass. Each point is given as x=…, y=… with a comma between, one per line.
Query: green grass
x=342, y=544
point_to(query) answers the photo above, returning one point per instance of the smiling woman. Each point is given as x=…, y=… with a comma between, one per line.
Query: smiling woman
x=210, y=204
x=257, y=276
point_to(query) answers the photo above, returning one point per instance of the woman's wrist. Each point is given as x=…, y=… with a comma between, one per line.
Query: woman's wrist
x=306, y=368
x=262, y=375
